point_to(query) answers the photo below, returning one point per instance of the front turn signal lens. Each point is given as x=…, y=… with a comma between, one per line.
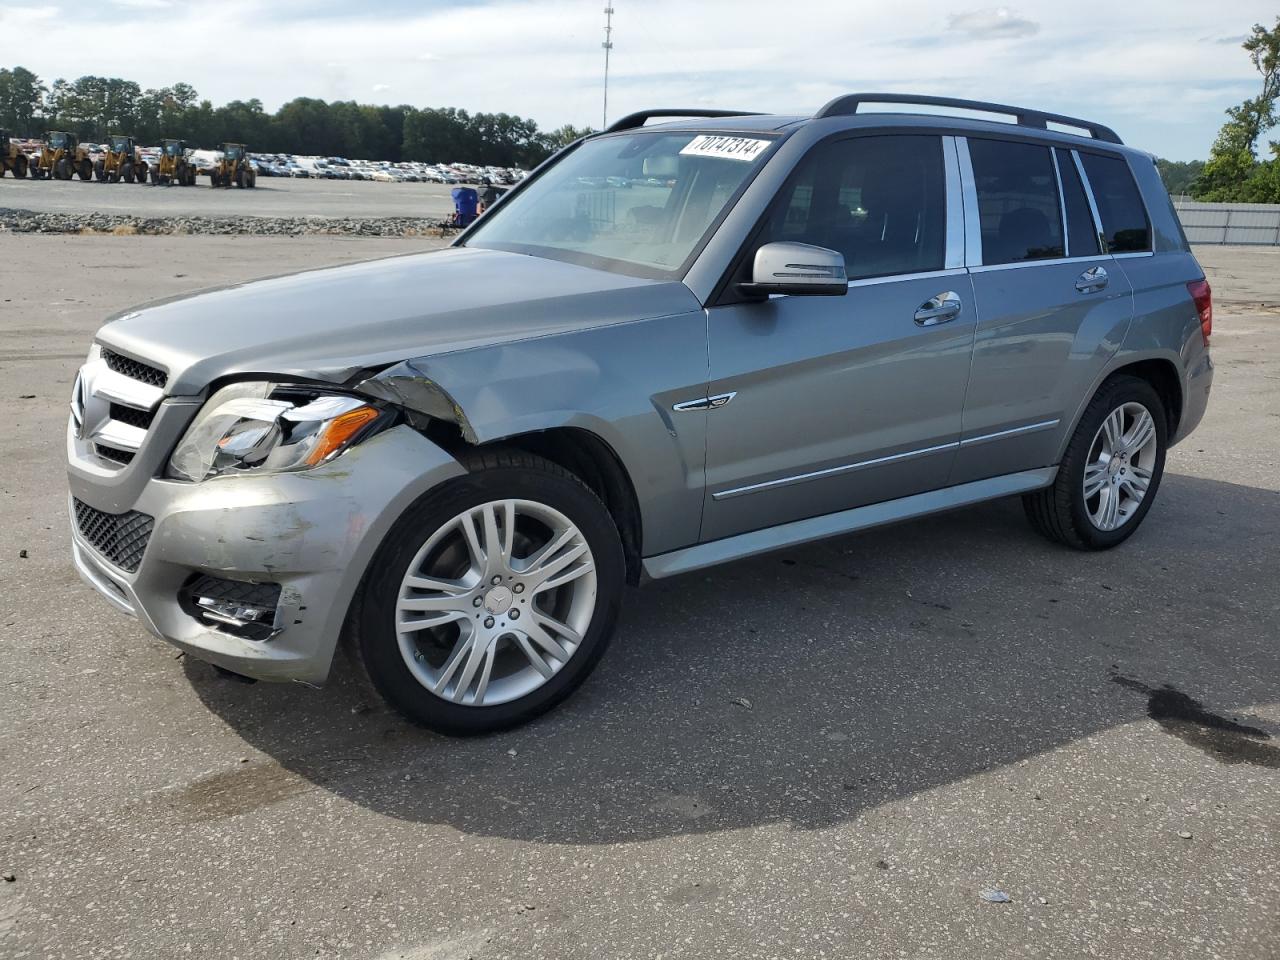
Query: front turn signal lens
x=338, y=432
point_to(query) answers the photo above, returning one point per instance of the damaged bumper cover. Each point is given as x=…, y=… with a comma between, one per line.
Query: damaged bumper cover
x=312, y=533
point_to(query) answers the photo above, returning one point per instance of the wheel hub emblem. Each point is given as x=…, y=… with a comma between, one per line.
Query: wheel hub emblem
x=497, y=600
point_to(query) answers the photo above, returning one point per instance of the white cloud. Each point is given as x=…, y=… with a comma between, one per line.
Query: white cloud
x=1157, y=80
x=994, y=23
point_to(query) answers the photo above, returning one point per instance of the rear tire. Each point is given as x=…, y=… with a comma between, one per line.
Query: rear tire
x=20, y=167
x=62, y=169
x=502, y=613
x=86, y=170
x=100, y=171
x=1123, y=481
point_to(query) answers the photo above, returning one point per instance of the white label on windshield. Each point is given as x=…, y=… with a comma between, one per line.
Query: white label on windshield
x=725, y=148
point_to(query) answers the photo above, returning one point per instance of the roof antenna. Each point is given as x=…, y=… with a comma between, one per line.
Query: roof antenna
x=608, y=45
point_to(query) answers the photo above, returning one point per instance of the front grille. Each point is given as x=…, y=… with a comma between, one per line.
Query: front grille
x=135, y=369
x=134, y=418
x=120, y=537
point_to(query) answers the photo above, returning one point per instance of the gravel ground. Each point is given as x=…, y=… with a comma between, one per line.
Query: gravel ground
x=273, y=197
x=827, y=752
x=125, y=225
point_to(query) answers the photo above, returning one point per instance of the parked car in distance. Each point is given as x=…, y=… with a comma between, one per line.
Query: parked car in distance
x=675, y=346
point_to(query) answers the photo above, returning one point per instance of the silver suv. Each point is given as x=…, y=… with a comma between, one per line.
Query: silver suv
x=672, y=346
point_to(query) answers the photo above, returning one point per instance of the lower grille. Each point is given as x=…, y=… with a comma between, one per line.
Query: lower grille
x=111, y=453
x=120, y=537
x=237, y=607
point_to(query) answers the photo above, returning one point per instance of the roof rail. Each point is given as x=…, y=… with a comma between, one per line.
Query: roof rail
x=633, y=120
x=848, y=105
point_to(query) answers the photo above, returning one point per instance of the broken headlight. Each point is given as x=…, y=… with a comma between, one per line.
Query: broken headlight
x=269, y=428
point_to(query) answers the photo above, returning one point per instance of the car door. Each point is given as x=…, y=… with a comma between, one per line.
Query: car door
x=823, y=403
x=1052, y=306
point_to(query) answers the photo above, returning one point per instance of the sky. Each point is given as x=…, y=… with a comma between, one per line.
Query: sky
x=1160, y=73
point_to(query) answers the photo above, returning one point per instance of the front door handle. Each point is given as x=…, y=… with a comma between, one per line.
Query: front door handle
x=1095, y=278
x=939, y=309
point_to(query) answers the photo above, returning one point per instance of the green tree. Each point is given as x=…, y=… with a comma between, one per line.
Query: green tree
x=1233, y=161
x=21, y=100
x=1178, y=175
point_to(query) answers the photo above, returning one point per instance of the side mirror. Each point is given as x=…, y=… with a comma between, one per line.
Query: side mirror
x=798, y=270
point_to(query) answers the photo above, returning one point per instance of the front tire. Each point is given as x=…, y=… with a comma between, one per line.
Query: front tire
x=492, y=598
x=1111, y=471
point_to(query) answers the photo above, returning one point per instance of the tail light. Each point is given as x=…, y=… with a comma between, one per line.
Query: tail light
x=1203, y=297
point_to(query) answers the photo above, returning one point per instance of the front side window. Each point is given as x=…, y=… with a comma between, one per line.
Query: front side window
x=1017, y=201
x=1124, y=218
x=639, y=203
x=878, y=200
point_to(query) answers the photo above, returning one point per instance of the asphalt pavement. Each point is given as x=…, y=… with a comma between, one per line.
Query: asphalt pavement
x=832, y=751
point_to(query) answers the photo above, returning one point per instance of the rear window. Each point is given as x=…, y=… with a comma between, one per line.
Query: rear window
x=1124, y=218
x=1017, y=201
x=1082, y=236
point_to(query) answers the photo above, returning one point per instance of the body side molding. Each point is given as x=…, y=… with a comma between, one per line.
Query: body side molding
x=846, y=521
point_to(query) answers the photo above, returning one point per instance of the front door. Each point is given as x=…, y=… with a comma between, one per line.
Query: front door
x=820, y=403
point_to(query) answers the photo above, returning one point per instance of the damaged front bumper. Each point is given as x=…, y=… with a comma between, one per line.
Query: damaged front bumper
x=252, y=573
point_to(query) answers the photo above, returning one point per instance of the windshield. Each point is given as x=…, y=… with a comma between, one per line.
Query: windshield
x=639, y=204
x=57, y=139
x=233, y=152
x=119, y=144
x=173, y=147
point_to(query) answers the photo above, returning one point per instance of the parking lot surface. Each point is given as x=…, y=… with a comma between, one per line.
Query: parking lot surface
x=825, y=752
x=272, y=197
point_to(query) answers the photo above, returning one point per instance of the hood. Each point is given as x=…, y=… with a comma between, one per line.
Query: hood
x=330, y=324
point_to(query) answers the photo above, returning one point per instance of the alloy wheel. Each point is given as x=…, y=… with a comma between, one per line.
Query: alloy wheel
x=1120, y=466
x=496, y=602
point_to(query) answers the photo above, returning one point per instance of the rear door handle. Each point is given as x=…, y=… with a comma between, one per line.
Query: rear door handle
x=939, y=309
x=1095, y=278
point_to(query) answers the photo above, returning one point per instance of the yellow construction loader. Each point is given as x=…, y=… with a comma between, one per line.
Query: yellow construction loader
x=234, y=167
x=174, y=167
x=11, y=158
x=121, y=161
x=61, y=158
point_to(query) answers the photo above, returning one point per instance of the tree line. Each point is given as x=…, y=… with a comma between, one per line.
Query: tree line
x=1234, y=172
x=94, y=107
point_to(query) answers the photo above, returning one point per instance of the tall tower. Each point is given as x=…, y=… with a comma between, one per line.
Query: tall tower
x=608, y=45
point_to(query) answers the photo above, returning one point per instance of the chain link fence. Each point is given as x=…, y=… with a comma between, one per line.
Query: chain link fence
x=1245, y=223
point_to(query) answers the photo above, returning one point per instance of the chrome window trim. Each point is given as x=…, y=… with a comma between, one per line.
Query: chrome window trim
x=900, y=277
x=831, y=471
x=972, y=222
x=954, y=256
x=1046, y=262
x=1062, y=202
x=1011, y=432
x=1133, y=254
x=1093, y=204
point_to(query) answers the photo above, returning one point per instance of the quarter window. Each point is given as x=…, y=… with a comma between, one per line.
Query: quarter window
x=1017, y=201
x=1082, y=235
x=1124, y=218
x=879, y=201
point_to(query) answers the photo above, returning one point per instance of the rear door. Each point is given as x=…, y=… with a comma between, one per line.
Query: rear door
x=1053, y=307
x=824, y=403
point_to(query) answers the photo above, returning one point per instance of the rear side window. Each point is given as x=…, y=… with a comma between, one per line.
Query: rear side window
x=1124, y=218
x=880, y=201
x=1017, y=201
x=1082, y=236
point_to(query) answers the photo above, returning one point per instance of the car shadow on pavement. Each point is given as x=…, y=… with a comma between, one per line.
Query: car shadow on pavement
x=806, y=686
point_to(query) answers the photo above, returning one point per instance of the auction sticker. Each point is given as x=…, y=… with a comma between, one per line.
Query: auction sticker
x=725, y=148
